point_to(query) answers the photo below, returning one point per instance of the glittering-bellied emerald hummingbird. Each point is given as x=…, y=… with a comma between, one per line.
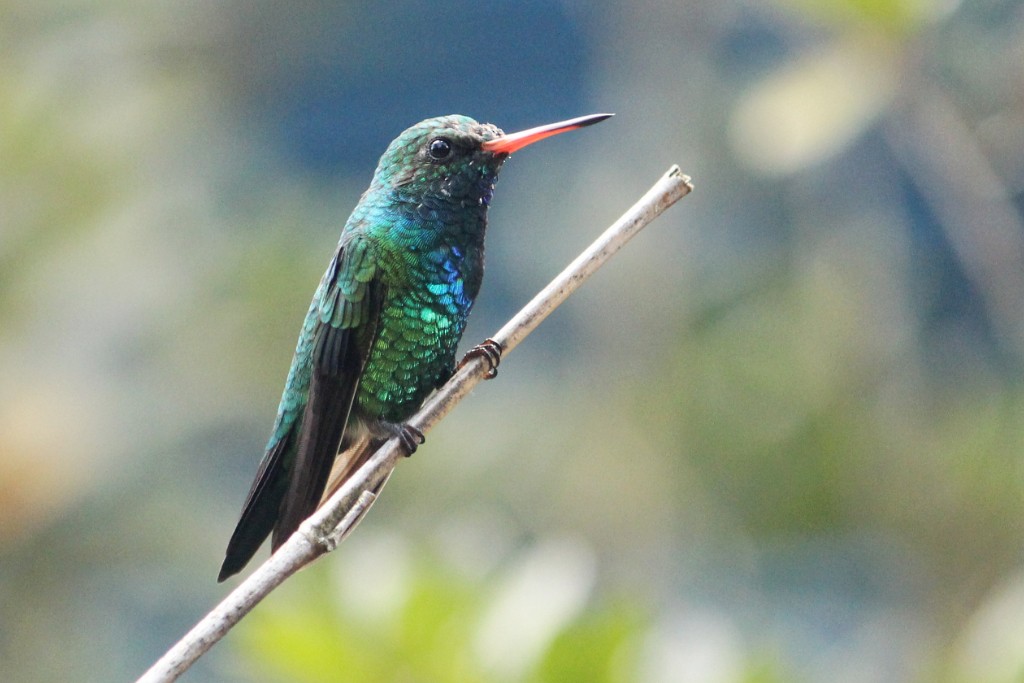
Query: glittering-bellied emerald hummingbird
x=383, y=327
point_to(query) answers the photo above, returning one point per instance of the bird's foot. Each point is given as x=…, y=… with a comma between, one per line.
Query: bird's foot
x=490, y=351
x=410, y=437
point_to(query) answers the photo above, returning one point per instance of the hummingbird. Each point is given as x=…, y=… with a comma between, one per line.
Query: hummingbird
x=382, y=330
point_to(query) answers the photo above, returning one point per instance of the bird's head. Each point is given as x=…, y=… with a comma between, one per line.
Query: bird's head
x=457, y=159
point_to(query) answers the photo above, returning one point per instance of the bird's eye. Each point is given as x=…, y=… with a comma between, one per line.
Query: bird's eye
x=439, y=149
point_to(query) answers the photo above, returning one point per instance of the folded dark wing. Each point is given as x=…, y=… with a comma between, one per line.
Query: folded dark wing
x=349, y=311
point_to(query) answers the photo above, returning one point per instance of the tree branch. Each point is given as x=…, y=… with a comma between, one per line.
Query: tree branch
x=329, y=525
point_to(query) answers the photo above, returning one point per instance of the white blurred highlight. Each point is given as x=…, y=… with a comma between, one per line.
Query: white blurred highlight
x=540, y=595
x=814, y=107
x=376, y=579
x=992, y=647
x=698, y=647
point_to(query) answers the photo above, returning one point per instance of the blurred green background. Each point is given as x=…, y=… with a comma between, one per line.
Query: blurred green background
x=779, y=438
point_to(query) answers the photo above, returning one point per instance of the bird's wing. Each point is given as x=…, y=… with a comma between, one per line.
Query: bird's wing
x=348, y=314
x=294, y=470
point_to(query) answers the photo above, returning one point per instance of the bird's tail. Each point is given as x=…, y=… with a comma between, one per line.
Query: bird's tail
x=261, y=509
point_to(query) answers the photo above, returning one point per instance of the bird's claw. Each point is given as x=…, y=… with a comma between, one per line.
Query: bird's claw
x=411, y=438
x=490, y=351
